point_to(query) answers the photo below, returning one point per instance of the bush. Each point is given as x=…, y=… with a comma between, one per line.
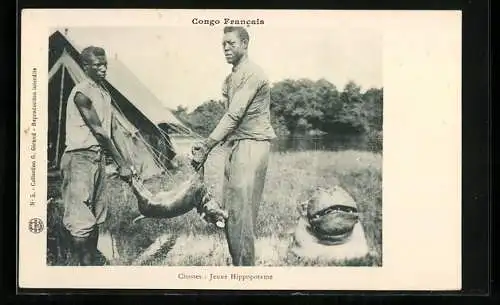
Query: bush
x=374, y=141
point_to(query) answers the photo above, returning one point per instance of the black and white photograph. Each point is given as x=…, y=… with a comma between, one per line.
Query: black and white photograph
x=165, y=149
x=228, y=145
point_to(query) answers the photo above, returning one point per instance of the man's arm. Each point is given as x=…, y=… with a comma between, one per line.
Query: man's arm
x=90, y=117
x=237, y=108
x=242, y=97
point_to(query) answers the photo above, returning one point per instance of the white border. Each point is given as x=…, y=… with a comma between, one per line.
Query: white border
x=421, y=171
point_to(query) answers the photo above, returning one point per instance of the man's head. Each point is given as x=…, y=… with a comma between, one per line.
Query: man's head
x=235, y=43
x=95, y=63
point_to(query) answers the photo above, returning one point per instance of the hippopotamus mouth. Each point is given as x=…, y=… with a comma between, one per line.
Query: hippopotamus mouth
x=334, y=223
x=330, y=239
x=331, y=209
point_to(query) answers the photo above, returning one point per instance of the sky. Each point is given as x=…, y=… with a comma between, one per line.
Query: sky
x=185, y=65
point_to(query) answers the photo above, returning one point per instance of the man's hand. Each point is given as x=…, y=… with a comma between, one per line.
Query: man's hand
x=125, y=172
x=200, y=154
x=200, y=151
x=198, y=147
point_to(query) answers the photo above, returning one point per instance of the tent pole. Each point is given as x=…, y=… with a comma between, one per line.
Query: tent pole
x=61, y=95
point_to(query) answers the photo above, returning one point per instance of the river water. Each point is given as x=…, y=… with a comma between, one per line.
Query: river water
x=324, y=143
x=300, y=143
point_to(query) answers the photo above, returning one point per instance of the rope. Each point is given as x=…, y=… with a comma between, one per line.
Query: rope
x=153, y=151
x=129, y=149
x=157, y=154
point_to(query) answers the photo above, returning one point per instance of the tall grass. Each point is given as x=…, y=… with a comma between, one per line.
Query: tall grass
x=290, y=175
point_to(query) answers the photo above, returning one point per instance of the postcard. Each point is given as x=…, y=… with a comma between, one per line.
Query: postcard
x=240, y=150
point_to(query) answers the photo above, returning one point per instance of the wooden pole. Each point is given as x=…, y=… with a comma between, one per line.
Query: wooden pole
x=61, y=96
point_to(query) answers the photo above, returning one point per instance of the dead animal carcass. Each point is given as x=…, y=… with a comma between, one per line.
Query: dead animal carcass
x=191, y=194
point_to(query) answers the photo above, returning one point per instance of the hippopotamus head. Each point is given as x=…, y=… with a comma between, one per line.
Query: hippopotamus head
x=330, y=211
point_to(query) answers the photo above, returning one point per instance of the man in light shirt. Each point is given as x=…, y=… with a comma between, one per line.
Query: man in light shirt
x=246, y=129
x=88, y=137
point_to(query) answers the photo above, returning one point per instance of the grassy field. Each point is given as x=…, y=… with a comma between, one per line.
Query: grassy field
x=289, y=176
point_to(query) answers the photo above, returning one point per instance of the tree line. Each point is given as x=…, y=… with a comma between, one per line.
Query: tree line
x=305, y=107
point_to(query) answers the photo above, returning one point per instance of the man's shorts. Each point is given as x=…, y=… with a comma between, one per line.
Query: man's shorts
x=83, y=173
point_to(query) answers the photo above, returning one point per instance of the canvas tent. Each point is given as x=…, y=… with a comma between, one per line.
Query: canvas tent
x=138, y=113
